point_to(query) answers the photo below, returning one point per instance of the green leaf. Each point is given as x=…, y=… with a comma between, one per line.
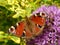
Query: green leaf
x=15, y=39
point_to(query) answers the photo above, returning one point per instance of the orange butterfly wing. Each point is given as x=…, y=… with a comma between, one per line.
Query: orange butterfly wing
x=37, y=20
x=20, y=29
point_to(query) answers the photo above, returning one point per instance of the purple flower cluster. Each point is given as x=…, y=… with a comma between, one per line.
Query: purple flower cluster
x=51, y=32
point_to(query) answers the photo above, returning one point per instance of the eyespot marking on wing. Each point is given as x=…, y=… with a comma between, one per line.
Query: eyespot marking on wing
x=35, y=15
x=12, y=29
x=38, y=14
x=38, y=25
x=19, y=23
x=23, y=34
x=43, y=14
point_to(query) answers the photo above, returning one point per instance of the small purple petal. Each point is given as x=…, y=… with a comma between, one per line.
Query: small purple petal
x=58, y=12
x=53, y=9
x=58, y=42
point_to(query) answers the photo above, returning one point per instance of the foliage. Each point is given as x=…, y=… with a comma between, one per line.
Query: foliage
x=12, y=11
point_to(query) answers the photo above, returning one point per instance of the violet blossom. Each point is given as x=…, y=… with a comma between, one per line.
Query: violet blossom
x=51, y=33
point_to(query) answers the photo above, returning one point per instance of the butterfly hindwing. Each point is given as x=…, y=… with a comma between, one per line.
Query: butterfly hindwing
x=18, y=29
x=39, y=20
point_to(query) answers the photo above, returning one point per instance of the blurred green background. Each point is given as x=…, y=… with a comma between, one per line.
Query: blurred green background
x=12, y=11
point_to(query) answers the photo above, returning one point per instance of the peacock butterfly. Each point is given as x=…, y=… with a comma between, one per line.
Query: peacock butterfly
x=30, y=27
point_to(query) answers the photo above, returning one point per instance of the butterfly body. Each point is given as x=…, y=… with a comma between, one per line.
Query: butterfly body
x=30, y=27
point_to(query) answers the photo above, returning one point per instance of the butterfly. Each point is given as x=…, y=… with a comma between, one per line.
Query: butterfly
x=30, y=27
